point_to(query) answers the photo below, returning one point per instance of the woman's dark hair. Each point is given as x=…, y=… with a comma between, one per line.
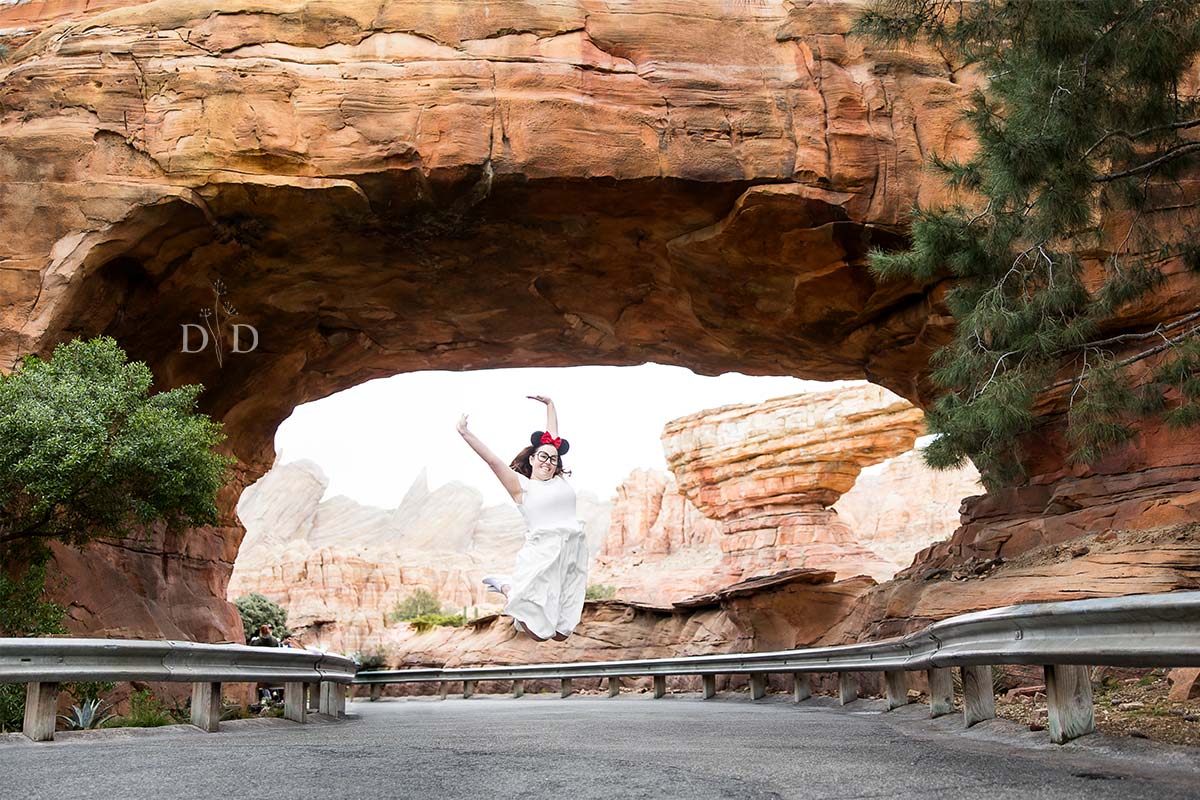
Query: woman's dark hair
x=521, y=462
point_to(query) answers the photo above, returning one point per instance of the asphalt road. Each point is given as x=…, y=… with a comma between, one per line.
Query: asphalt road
x=496, y=748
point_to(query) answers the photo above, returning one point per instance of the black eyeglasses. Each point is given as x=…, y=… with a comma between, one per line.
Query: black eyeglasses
x=544, y=457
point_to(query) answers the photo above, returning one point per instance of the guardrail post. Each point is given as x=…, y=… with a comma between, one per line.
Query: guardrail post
x=41, y=708
x=801, y=686
x=614, y=686
x=443, y=688
x=710, y=686
x=1069, y=702
x=758, y=685
x=660, y=685
x=897, y=689
x=518, y=688
x=941, y=691
x=979, y=694
x=567, y=691
x=314, y=696
x=468, y=689
x=376, y=691
x=333, y=699
x=206, y=705
x=294, y=707
x=847, y=688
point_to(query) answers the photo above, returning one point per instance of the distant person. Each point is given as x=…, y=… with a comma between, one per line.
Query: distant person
x=545, y=592
x=264, y=638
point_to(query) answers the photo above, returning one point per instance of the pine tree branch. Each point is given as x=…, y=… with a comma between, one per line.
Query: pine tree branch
x=1131, y=359
x=1169, y=155
x=1158, y=330
x=1174, y=126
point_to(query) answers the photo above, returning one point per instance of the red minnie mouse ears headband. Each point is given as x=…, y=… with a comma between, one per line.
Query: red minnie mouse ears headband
x=539, y=438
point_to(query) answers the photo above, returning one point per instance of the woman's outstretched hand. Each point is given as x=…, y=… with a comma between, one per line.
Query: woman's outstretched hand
x=462, y=425
x=540, y=399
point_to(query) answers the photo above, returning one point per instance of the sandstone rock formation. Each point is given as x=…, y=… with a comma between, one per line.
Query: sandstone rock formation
x=339, y=567
x=469, y=184
x=770, y=472
x=790, y=609
x=899, y=507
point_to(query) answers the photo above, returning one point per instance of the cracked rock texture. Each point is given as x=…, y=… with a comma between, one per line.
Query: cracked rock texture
x=386, y=186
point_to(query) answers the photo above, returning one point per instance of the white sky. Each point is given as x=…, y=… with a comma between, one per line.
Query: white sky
x=373, y=439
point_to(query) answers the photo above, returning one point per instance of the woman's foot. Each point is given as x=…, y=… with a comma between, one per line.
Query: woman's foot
x=560, y=637
x=497, y=583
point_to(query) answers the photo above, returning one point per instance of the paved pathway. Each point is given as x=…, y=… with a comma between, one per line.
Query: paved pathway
x=497, y=748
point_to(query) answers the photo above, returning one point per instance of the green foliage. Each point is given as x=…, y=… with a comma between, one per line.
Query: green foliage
x=419, y=603
x=369, y=661
x=145, y=711
x=1083, y=118
x=599, y=591
x=434, y=619
x=91, y=714
x=24, y=611
x=87, y=451
x=257, y=610
x=85, y=691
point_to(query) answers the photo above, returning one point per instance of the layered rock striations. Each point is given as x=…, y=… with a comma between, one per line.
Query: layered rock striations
x=339, y=567
x=383, y=188
x=769, y=473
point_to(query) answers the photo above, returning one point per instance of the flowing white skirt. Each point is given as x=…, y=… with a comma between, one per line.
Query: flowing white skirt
x=549, y=581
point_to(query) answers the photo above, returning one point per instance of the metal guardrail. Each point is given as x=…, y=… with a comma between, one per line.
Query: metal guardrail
x=1161, y=630
x=44, y=663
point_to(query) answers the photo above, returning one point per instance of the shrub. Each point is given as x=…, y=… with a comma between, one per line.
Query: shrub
x=366, y=661
x=24, y=611
x=84, y=691
x=432, y=620
x=599, y=591
x=257, y=610
x=145, y=711
x=419, y=603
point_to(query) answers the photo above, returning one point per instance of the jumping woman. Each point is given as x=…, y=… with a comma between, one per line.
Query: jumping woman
x=545, y=592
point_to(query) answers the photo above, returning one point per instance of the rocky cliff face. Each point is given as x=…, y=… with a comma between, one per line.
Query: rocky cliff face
x=468, y=184
x=770, y=473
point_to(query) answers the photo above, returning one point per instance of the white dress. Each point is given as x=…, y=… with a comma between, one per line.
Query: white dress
x=550, y=578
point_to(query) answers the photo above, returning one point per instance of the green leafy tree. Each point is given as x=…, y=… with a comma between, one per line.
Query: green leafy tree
x=257, y=610
x=86, y=451
x=419, y=603
x=1084, y=134
x=25, y=610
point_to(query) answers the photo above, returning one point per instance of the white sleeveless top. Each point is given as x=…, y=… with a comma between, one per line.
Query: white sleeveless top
x=548, y=504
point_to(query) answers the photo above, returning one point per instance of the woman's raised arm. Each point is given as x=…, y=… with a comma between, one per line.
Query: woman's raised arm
x=505, y=473
x=551, y=414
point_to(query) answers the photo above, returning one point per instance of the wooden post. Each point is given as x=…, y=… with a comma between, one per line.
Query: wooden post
x=660, y=685
x=41, y=709
x=758, y=685
x=314, y=696
x=979, y=695
x=1069, y=702
x=294, y=707
x=443, y=688
x=897, y=689
x=847, y=688
x=941, y=691
x=333, y=699
x=206, y=705
x=566, y=690
x=519, y=688
x=376, y=691
x=614, y=686
x=801, y=686
x=468, y=689
x=710, y=686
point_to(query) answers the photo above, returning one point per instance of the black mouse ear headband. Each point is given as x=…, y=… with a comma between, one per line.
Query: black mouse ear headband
x=539, y=438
